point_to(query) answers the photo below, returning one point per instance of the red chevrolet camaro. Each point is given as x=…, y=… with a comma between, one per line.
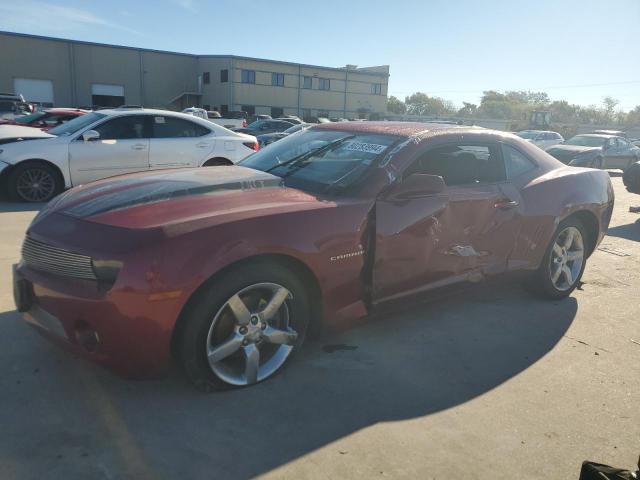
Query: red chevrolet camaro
x=229, y=269
x=46, y=119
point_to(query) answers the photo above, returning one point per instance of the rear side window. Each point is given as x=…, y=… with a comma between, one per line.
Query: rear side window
x=123, y=128
x=171, y=127
x=515, y=163
x=463, y=164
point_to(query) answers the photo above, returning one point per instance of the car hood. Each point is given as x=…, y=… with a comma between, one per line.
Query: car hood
x=18, y=132
x=209, y=195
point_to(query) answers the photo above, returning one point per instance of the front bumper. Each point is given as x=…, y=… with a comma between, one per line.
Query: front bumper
x=126, y=331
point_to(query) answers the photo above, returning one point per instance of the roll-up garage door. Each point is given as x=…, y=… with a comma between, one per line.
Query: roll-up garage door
x=103, y=95
x=33, y=90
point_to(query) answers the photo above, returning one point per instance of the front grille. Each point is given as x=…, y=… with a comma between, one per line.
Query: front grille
x=46, y=258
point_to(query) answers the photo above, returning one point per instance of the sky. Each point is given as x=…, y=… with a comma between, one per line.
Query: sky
x=576, y=50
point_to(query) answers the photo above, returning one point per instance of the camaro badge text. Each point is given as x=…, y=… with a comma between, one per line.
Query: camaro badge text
x=346, y=255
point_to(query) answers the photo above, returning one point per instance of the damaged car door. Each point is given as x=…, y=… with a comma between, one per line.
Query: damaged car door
x=462, y=232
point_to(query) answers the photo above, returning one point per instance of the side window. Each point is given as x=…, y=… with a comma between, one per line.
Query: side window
x=611, y=143
x=622, y=143
x=171, y=127
x=515, y=162
x=123, y=128
x=463, y=164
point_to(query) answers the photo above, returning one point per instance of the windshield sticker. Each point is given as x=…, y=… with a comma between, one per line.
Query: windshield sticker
x=159, y=119
x=366, y=147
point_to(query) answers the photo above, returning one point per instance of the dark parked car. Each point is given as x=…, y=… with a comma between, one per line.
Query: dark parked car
x=269, y=138
x=631, y=178
x=46, y=119
x=292, y=119
x=260, y=127
x=596, y=151
x=231, y=268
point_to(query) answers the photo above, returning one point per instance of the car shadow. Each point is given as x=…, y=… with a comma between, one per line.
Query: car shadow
x=615, y=173
x=6, y=206
x=425, y=359
x=630, y=231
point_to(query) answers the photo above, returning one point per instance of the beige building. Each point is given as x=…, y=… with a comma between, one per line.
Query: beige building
x=57, y=72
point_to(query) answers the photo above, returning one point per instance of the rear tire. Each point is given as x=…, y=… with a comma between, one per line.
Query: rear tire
x=218, y=351
x=564, y=261
x=34, y=182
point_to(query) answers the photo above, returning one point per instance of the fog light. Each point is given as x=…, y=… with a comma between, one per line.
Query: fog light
x=87, y=337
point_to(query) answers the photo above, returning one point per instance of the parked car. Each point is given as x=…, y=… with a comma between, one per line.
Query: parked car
x=17, y=133
x=631, y=178
x=259, y=116
x=217, y=118
x=541, y=138
x=260, y=127
x=13, y=105
x=112, y=142
x=232, y=268
x=596, y=151
x=617, y=133
x=46, y=119
x=291, y=119
x=269, y=138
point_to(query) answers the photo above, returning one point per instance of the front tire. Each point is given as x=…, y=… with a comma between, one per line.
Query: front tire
x=243, y=327
x=564, y=261
x=33, y=182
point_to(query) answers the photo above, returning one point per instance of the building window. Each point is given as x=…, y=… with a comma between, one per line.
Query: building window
x=277, y=79
x=307, y=82
x=206, y=77
x=249, y=109
x=277, y=112
x=224, y=76
x=325, y=84
x=224, y=109
x=103, y=95
x=376, y=88
x=248, y=76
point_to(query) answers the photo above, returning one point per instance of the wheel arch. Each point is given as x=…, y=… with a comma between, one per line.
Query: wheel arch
x=591, y=223
x=215, y=161
x=298, y=267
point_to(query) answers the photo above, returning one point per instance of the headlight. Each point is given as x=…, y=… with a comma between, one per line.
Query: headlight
x=106, y=270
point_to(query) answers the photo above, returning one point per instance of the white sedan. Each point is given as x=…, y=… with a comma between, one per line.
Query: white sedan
x=541, y=138
x=105, y=143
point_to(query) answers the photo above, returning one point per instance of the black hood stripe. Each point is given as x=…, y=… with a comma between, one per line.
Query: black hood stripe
x=158, y=191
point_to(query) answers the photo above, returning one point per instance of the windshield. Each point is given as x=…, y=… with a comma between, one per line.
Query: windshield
x=29, y=118
x=76, y=124
x=318, y=161
x=528, y=135
x=586, y=141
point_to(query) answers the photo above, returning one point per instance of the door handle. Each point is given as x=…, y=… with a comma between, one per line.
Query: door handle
x=202, y=145
x=138, y=146
x=505, y=204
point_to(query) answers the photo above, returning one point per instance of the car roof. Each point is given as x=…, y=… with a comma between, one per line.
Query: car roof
x=402, y=129
x=66, y=110
x=597, y=135
x=144, y=111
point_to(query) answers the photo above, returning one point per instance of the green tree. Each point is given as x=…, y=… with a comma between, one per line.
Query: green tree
x=395, y=105
x=468, y=109
x=609, y=105
x=422, y=104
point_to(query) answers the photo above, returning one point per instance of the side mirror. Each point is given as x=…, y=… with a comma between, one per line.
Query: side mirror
x=90, y=135
x=417, y=185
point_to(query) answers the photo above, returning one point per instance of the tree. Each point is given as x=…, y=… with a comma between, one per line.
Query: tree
x=395, y=105
x=609, y=105
x=468, y=109
x=422, y=104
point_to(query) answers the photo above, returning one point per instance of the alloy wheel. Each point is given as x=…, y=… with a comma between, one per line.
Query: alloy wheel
x=35, y=185
x=566, y=259
x=251, y=335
